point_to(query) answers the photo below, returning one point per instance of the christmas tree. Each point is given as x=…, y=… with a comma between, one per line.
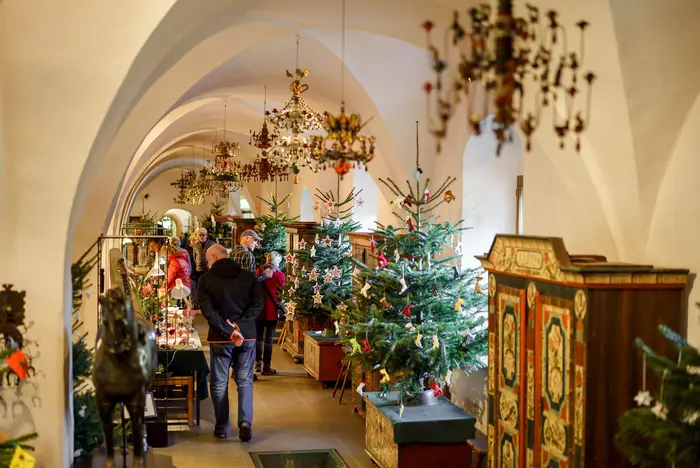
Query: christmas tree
x=271, y=229
x=416, y=318
x=322, y=271
x=87, y=431
x=665, y=431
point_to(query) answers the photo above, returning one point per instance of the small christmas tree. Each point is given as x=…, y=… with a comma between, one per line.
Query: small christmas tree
x=271, y=229
x=665, y=431
x=322, y=271
x=416, y=318
x=87, y=430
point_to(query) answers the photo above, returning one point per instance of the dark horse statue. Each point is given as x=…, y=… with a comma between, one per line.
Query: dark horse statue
x=125, y=365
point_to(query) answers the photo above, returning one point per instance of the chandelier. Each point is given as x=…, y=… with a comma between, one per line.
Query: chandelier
x=500, y=51
x=226, y=168
x=296, y=115
x=262, y=170
x=181, y=184
x=343, y=147
x=264, y=138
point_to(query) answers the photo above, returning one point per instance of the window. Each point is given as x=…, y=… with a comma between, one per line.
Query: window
x=166, y=222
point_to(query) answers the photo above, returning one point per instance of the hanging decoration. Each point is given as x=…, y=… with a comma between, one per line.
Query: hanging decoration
x=226, y=170
x=263, y=139
x=343, y=147
x=497, y=52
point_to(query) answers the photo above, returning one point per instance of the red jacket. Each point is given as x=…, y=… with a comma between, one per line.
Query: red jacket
x=179, y=267
x=269, y=311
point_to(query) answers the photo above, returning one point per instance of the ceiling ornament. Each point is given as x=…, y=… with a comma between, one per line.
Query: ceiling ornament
x=263, y=139
x=343, y=147
x=262, y=170
x=499, y=51
x=225, y=173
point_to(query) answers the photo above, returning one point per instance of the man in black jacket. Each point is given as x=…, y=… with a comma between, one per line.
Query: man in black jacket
x=230, y=298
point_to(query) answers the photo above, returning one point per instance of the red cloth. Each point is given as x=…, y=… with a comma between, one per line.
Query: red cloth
x=179, y=267
x=269, y=312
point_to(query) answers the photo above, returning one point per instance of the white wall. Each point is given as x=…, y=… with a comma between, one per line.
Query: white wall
x=488, y=191
x=366, y=214
x=306, y=206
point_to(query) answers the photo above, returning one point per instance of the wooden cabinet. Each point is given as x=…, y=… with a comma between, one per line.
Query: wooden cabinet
x=323, y=357
x=370, y=379
x=361, y=248
x=562, y=362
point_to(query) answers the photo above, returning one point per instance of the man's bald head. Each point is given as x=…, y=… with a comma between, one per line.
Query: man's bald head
x=214, y=253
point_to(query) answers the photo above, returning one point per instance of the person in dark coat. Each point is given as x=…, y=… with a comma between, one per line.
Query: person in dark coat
x=230, y=298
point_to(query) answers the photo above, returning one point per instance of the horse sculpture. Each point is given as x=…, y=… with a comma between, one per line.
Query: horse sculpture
x=125, y=365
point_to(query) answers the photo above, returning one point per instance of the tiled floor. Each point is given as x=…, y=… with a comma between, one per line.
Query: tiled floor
x=292, y=412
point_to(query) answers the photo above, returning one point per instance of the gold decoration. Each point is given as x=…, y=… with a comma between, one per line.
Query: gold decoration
x=449, y=196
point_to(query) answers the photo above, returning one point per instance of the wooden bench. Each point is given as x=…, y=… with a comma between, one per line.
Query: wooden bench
x=479, y=446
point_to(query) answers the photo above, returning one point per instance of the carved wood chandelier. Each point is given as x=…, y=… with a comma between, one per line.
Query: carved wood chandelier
x=498, y=52
x=225, y=173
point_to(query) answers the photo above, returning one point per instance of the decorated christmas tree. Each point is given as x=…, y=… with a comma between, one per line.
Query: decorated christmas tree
x=416, y=318
x=664, y=431
x=87, y=431
x=271, y=229
x=322, y=271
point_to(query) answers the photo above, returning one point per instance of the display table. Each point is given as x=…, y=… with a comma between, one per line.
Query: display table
x=188, y=362
x=323, y=357
x=423, y=436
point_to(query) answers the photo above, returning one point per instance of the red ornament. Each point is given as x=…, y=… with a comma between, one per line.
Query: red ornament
x=427, y=25
x=342, y=167
x=427, y=87
x=411, y=227
x=365, y=345
x=382, y=260
x=407, y=201
x=372, y=245
x=427, y=195
x=406, y=312
x=437, y=391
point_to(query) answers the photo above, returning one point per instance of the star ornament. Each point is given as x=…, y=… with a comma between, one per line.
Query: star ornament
x=330, y=204
x=327, y=241
x=313, y=251
x=360, y=202
x=302, y=244
x=643, y=398
x=290, y=258
x=328, y=277
x=318, y=298
x=313, y=275
x=337, y=223
x=659, y=410
x=336, y=272
x=342, y=307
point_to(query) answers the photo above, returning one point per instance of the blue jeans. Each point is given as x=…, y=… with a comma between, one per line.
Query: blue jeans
x=242, y=359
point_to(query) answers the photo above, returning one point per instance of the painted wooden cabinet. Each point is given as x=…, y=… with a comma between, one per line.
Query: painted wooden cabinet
x=562, y=362
x=323, y=357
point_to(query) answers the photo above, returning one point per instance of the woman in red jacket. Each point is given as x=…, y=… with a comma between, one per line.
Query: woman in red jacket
x=178, y=266
x=267, y=320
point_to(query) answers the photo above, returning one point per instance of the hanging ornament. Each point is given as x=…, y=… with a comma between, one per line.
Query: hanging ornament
x=427, y=195
x=384, y=304
x=403, y=284
x=336, y=272
x=410, y=225
x=360, y=389
x=643, y=398
x=302, y=244
x=337, y=327
x=355, y=272
x=449, y=197
x=318, y=298
x=328, y=277
x=330, y=204
x=436, y=342
x=659, y=410
x=406, y=312
x=317, y=240
x=327, y=241
x=397, y=255
x=356, y=349
x=385, y=376
x=360, y=202
x=382, y=261
x=437, y=391
x=477, y=286
x=406, y=202
x=317, y=287
x=371, y=323
x=401, y=408
x=313, y=275
x=458, y=249
x=435, y=291
x=397, y=202
x=409, y=326
x=313, y=251
x=417, y=173
x=365, y=289
x=418, y=341
x=458, y=304
x=290, y=258
x=365, y=346
x=337, y=223
x=296, y=283
x=372, y=244
x=342, y=307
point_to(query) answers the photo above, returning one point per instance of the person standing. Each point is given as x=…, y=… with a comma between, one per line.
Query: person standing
x=243, y=252
x=178, y=266
x=230, y=299
x=267, y=320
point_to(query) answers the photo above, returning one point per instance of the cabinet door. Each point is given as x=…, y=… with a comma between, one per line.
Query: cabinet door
x=554, y=371
x=507, y=332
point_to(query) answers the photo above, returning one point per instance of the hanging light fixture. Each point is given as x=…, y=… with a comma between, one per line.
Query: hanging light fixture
x=262, y=170
x=294, y=150
x=226, y=168
x=500, y=50
x=263, y=139
x=343, y=147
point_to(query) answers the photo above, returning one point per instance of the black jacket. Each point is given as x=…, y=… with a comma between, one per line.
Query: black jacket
x=227, y=292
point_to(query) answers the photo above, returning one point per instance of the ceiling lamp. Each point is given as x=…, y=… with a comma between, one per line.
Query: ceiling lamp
x=226, y=168
x=262, y=170
x=500, y=50
x=343, y=148
x=263, y=139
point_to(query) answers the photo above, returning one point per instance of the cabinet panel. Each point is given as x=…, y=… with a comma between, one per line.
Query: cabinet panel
x=510, y=338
